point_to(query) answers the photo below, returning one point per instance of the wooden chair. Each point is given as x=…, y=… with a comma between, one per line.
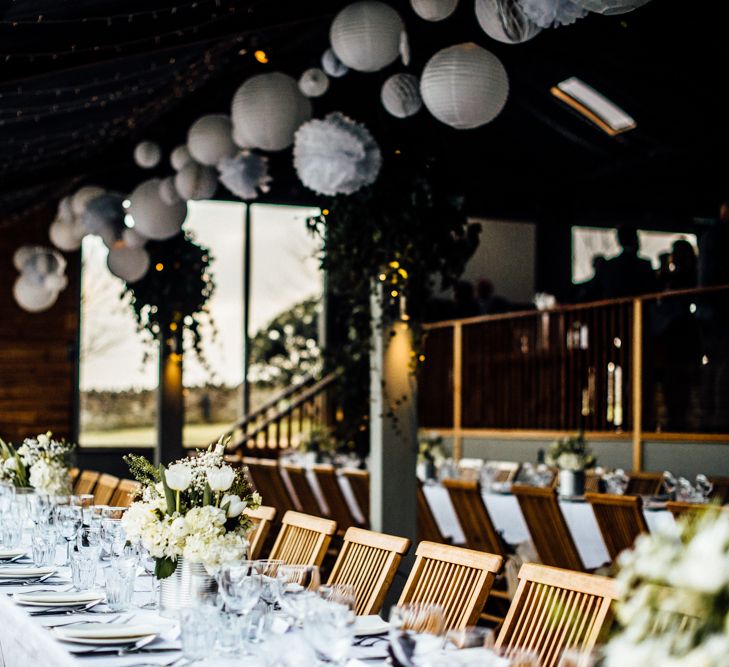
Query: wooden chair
x=473, y=516
x=303, y=539
x=507, y=470
x=73, y=474
x=339, y=509
x=125, y=493
x=459, y=580
x=266, y=477
x=262, y=519
x=369, y=562
x=86, y=482
x=300, y=483
x=592, y=482
x=548, y=528
x=427, y=527
x=682, y=510
x=359, y=480
x=554, y=610
x=104, y=489
x=620, y=519
x=720, y=491
x=644, y=484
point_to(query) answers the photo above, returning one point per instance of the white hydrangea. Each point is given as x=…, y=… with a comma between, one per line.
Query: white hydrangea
x=50, y=478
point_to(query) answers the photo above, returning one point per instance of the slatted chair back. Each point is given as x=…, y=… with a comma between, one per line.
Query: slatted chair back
x=262, y=519
x=644, y=484
x=672, y=613
x=620, y=519
x=73, y=474
x=507, y=470
x=266, y=477
x=339, y=509
x=720, y=492
x=303, y=539
x=426, y=525
x=592, y=482
x=681, y=510
x=459, y=580
x=300, y=483
x=359, y=480
x=104, y=489
x=86, y=482
x=474, y=517
x=554, y=610
x=126, y=491
x=548, y=528
x=368, y=561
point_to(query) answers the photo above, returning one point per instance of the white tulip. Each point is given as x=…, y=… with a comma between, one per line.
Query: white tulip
x=221, y=479
x=178, y=477
x=219, y=449
x=43, y=439
x=235, y=505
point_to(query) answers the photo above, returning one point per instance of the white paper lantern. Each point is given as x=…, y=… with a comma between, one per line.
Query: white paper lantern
x=133, y=239
x=83, y=196
x=245, y=174
x=40, y=261
x=332, y=65
x=104, y=216
x=365, y=35
x=65, y=236
x=152, y=217
x=55, y=282
x=195, y=181
x=464, y=86
x=65, y=211
x=147, y=154
x=313, y=82
x=209, y=139
x=168, y=192
x=21, y=257
x=129, y=264
x=31, y=296
x=400, y=95
x=179, y=157
x=505, y=21
x=267, y=111
x=434, y=10
x=610, y=7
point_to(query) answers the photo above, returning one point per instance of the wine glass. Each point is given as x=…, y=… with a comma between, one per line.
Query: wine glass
x=69, y=519
x=415, y=632
x=7, y=496
x=268, y=569
x=703, y=488
x=471, y=637
x=343, y=594
x=329, y=628
x=240, y=586
x=40, y=509
x=297, y=587
x=148, y=562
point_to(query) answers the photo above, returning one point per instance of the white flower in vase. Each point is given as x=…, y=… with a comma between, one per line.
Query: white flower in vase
x=233, y=505
x=220, y=479
x=178, y=477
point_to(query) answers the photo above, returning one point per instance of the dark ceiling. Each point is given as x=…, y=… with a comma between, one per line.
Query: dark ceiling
x=82, y=81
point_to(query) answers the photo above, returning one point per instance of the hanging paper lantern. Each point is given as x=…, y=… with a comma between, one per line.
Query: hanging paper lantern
x=552, y=13
x=83, y=196
x=33, y=297
x=400, y=95
x=132, y=239
x=147, y=154
x=464, y=86
x=610, y=7
x=40, y=262
x=194, y=181
x=65, y=236
x=434, y=10
x=209, y=139
x=168, y=192
x=21, y=257
x=55, y=282
x=129, y=264
x=313, y=82
x=179, y=157
x=245, y=174
x=267, y=111
x=505, y=21
x=104, y=216
x=332, y=66
x=152, y=217
x=365, y=35
x=65, y=211
x=336, y=155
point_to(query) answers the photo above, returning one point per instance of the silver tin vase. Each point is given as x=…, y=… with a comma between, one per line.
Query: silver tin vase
x=571, y=482
x=175, y=592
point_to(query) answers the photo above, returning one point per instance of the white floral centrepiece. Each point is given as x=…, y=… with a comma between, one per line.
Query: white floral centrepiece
x=40, y=462
x=192, y=509
x=675, y=597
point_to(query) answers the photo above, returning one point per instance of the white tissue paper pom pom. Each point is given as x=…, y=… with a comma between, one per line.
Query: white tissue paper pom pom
x=147, y=154
x=313, y=82
x=552, y=13
x=245, y=174
x=332, y=65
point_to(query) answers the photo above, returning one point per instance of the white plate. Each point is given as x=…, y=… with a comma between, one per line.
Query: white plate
x=57, y=598
x=106, y=633
x=121, y=641
x=11, y=553
x=370, y=625
x=8, y=572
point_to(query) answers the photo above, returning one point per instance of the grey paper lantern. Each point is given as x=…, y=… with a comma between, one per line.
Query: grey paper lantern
x=83, y=196
x=504, y=21
x=195, y=181
x=132, y=239
x=332, y=65
x=65, y=211
x=104, y=216
x=168, y=192
x=147, y=154
x=365, y=35
x=609, y=7
x=313, y=82
x=400, y=95
x=434, y=10
x=152, y=217
x=65, y=236
x=464, y=86
x=22, y=256
x=33, y=297
x=179, y=157
x=129, y=264
x=210, y=139
x=267, y=110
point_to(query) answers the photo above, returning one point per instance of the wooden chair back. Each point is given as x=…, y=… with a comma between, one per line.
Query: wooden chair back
x=548, y=528
x=474, y=517
x=368, y=561
x=682, y=510
x=720, y=492
x=308, y=503
x=426, y=525
x=303, y=539
x=86, y=482
x=266, y=477
x=104, y=489
x=262, y=519
x=126, y=491
x=644, y=484
x=459, y=580
x=339, y=509
x=507, y=470
x=554, y=610
x=592, y=482
x=73, y=474
x=359, y=480
x=620, y=519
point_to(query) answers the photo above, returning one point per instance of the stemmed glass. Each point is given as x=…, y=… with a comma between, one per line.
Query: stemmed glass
x=148, y=562
x=268, y=569
x=69, y=519
x=298, y=585
x=415, y=632
x=40, y=509
x=7, y=496
x=240, y=586
x=329, y=626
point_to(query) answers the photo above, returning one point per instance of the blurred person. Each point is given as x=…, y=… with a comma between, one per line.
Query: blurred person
x=464, y=300
x=627, y=274
x=682, y=266
x=590, y=289
x=489, y=303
